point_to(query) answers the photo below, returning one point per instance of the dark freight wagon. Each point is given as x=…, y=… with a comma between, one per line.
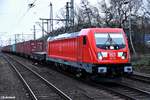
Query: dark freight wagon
x=40, y=50
x=27, y=48
x=19, y=48
x=7, y=48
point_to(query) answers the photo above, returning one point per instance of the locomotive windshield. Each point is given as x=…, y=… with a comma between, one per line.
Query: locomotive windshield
x=109, y=40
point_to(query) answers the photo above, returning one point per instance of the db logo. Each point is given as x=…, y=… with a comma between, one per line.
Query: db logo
x=112, y=54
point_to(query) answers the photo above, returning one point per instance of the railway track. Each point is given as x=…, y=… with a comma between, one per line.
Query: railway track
x=83, y=96
x=38, y=87
x=123, y=90
x=145, y=78
x=132, y=92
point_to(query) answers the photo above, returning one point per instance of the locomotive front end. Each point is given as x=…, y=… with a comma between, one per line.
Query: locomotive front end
x=113, y=56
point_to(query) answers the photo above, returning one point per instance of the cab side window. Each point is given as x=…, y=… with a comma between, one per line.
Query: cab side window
x=84, y=40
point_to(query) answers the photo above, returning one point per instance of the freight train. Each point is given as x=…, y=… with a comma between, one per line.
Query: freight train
x=101, y=52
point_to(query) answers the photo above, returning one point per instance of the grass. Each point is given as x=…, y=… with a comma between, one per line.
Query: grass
x=141, y=63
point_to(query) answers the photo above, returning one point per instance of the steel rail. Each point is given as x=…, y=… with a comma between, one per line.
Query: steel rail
x=22, y=79
x=133, y=88
x=111, y=90
x=141, y=78
x=62, y=94
x=115, y=90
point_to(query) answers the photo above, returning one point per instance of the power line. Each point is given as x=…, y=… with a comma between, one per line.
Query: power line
x=31, y=5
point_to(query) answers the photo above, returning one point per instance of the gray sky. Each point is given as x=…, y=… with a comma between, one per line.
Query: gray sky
x=15, y=19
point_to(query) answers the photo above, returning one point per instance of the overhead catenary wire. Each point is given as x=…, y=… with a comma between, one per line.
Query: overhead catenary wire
x=18, y=22
x=31, y=5
x=22, y=15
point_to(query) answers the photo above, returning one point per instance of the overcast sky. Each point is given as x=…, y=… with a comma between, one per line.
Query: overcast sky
x=16, y=19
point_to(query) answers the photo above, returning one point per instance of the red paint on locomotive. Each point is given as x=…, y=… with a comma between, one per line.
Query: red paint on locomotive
x=95, y=50
x=73, y=49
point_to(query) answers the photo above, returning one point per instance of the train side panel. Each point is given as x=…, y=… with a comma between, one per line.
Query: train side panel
x=40, y=46
x=19, y=48
x=87, y=48
x=14, y=48
x=65, y=49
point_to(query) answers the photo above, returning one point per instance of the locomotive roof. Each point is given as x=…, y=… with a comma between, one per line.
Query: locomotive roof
x=63, y=36
x=75, y=34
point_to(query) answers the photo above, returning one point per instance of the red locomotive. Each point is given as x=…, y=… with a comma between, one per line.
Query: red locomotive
x=100, y=51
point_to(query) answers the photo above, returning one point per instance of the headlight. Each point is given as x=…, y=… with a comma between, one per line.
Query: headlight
x=120, y=54
x=123, y=55
x=100, y=56
x=104, y=54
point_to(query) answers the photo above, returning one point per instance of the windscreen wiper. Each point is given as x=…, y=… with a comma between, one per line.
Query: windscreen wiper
x=110, y=40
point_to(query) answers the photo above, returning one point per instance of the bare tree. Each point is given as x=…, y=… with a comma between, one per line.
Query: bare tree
x=78, y=17
x=61, y=15
x=86, y=11
x=118, y=11
x=97, y=20
x=146, y=8
x=106, y=11
x=148, y=5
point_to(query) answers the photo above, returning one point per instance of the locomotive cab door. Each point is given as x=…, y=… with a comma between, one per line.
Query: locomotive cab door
x=79, y=49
